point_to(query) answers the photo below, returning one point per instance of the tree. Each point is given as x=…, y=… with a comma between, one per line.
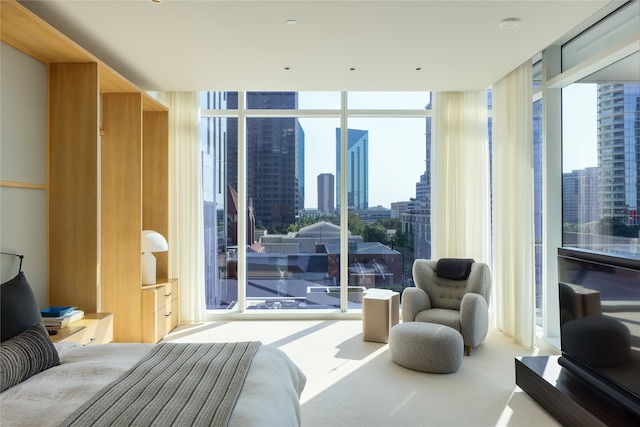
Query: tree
x=374, y=232
x=356, y=227
x=391, y=224
x=401, y=240
x=292, y=228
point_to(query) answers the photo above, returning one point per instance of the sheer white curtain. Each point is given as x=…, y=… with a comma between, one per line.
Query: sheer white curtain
x=513, y=227
x=186, y=224
x=460, y=177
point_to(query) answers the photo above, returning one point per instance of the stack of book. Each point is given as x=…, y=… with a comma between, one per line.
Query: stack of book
x=62, y=321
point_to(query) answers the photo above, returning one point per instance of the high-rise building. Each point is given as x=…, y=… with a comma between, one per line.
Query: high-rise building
x=416, y=221
x=326, y=193
x=619, y=151
x=580, y=196
x=357, y=168
x=300, y=165
x=421, y=218
x=275, y=175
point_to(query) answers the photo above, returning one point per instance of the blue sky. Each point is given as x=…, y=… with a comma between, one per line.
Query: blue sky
x=579, y=126
x=396, y=146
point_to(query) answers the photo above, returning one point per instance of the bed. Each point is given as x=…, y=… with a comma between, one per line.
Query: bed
x=232, y=383
x=269, y=396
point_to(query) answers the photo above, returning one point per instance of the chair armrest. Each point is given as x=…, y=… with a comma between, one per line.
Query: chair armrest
x=474, y=319
x=414, y=300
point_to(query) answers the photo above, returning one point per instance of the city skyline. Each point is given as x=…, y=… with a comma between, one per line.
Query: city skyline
x=579, y=137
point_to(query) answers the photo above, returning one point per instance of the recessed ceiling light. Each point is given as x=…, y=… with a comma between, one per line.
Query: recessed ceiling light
x=509, y=23
x=418, y=68
x=287, y=68
x=352, y=68
x=292, y=22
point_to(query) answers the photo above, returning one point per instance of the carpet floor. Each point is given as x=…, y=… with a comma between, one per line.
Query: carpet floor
x=355, y=383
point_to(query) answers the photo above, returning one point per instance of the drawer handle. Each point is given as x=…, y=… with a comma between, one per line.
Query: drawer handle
x=91, y=341
x=168, y=314
x=169, y=294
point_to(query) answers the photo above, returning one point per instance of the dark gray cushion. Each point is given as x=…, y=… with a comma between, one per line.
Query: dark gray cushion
x=25, y=355
x=454, y=268
x=18, y=307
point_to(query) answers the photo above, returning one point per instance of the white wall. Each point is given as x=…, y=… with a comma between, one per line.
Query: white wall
x=23, y=159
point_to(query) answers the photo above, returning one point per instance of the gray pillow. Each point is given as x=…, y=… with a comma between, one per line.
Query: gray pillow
x=25, y=355
x=18, y=307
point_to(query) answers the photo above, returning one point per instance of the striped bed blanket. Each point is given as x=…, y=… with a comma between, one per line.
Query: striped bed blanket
x=175, y=384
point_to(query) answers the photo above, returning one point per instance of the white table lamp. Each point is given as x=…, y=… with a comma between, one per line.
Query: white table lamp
x=152, y=241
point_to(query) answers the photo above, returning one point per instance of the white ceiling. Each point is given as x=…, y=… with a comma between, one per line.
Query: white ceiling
x=245, y=45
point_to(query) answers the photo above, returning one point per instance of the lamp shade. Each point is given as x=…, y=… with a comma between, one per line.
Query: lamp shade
x=152, y=241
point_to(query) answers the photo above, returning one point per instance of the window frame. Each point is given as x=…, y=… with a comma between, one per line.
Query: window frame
x=242, y=113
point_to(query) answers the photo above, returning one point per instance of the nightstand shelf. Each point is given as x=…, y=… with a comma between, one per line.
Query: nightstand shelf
x=94, y=328
x=159, y=309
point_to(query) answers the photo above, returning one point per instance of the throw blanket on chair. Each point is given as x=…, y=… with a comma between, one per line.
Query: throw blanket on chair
x=454, y=268
x=175, y=384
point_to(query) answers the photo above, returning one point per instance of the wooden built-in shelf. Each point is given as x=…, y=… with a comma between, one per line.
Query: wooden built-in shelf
x=107, y=179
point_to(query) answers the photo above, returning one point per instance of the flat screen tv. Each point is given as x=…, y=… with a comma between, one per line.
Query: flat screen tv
x=600, y=323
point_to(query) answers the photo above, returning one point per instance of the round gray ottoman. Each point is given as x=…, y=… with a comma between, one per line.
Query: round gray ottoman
x=426, y=347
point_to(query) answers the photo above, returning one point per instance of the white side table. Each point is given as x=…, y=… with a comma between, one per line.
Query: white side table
x=380, y=312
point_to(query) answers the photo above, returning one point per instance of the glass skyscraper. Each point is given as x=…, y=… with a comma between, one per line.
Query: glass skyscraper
x=275, y=179
x=357, y=167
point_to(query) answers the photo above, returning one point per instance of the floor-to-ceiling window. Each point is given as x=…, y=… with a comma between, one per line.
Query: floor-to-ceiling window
x=293, y=196
x=590, y=131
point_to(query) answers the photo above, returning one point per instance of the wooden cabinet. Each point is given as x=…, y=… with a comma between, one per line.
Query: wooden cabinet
x=159, y=310
x=172, y=318
x=107, y=175
x=95, y=328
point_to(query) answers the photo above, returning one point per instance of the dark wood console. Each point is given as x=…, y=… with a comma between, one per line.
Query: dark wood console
x=565, y=397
